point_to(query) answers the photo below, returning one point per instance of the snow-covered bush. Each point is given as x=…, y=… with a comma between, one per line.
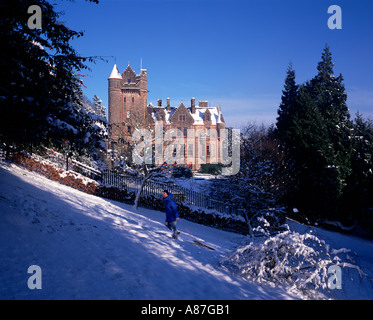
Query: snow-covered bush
x=298, y=262
x=267, y=221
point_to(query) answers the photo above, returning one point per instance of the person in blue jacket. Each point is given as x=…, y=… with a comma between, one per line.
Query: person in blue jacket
x=172, y=213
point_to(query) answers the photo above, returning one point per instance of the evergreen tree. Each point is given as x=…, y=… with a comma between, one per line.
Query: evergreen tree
x=99, y=109
x=358, y=195
x=330, y=97
x=314, y=127
x=287, y=106
x=39, y=87
x=308, y=147
x=98, y=124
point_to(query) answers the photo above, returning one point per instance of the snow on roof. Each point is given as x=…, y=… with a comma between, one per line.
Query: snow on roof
x=198, y=116
x=200, y=112
x=115, y=73
x=219, y=117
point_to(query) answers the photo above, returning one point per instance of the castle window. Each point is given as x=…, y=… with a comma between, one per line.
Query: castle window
x=182, y=118
x=207, y=117
x=185, y=132
x=190, y=150
x=129, y=81
x=129, y=129
x=133, y=99
x=208, y=150
x=203, y=149
x=124, y=99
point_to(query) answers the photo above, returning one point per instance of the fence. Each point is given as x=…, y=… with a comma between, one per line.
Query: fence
x=69, y=164
x=155, y=188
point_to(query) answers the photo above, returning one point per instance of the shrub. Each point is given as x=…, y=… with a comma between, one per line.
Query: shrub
x=298, y=262
x=181, y=172
x=50, y=171
x=211, y=168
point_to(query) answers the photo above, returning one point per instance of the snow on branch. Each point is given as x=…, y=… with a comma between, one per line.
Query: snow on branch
x=298, y=262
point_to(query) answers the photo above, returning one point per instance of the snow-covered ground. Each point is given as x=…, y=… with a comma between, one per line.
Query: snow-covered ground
x=93, y=248
x=199, y=182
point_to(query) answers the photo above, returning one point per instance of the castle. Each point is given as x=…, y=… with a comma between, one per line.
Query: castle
x=198, y=129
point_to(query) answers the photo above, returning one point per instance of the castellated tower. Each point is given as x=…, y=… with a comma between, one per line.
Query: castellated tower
x=127, y=102
x=115, y=102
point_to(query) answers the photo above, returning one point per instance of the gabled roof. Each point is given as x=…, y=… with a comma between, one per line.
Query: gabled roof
x=115, y=73
x=129, y=69
x=129, y=75
x=198, y=116
x=179, y=109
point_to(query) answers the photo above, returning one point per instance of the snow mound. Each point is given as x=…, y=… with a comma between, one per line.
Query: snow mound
x=298, y=262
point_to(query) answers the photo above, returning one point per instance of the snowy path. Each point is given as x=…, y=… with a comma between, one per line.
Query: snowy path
x=92, y=248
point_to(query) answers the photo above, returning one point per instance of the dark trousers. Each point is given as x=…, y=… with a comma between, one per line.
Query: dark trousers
x=172, y=226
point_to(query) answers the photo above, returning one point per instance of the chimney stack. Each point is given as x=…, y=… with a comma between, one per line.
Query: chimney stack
x=193, y=105
x=168, y=108
x=203, y=104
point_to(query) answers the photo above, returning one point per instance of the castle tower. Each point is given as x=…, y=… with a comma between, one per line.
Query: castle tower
x=127, y=102
x=134, y=97
x=115, y=103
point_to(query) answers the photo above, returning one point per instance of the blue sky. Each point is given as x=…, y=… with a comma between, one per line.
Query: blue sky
x=230, y=52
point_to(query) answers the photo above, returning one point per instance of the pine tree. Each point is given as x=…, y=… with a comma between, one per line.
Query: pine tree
x=99, y=109
x=287, y=107
x=317, y=132
x=97, y=129
x=330, y=97
x=39, y=86
x=308, y=147
x=358, y=195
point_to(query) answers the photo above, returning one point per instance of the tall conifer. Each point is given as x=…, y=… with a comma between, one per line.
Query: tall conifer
x=330, y=97
x=287, y=107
